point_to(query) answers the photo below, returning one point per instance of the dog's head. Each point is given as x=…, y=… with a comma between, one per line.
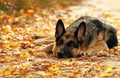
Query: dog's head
x=68, y=42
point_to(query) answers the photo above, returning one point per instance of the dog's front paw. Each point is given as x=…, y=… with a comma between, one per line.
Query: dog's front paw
x=83, y=54
x=102, y=53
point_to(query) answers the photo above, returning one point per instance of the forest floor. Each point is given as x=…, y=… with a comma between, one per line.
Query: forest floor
x=23, y=56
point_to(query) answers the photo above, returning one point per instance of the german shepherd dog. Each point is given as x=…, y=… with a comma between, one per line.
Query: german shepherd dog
x=86, y=35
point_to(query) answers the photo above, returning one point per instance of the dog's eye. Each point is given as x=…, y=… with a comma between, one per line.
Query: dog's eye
x=70, y=44
x=60, y=42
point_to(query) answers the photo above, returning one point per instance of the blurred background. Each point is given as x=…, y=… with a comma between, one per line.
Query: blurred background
x=15, y=7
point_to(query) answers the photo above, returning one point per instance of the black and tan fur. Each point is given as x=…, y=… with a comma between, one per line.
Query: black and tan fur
x=85, y=35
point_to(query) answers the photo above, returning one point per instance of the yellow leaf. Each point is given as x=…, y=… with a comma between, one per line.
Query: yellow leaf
x=105, y=74
x=30, y=11
x=1, y=72
x=6, y=45
x=9, y=58
x=27, y=76
x=15, y=43
x=6, y=72
x=9, y=28
x=9, y=71
x=26, y=64
x=43, y=31
x=116, y=24
x=24, y=55
x=69, y=62
x=4, y=28
x=48, y=75
x=109, y=69
x=1, y=16
x=55, y=68
x=98, y=66
x=44, y=74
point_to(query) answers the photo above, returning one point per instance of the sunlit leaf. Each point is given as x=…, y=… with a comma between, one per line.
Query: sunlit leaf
x=6, y=45
x=48, y=76
x=43, y=31
x=98, y=66
x=30, y=11
x=9, y=58
x=14, y=29
x=7, y=72
x=24, y=55
x=27, y=76
x=30, y=39
x=55, y=68
x=4, y=28
x=116, y=24
x=109, y=69
x=69, y=62
x=1, y=72
x=106, y=74
x=14, y=44
x=26, y=64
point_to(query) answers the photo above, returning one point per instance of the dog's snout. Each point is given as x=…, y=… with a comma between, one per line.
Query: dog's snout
x=64, y=54
x=60, y=54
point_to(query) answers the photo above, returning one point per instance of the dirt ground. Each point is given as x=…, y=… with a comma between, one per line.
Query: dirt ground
x=32, y=62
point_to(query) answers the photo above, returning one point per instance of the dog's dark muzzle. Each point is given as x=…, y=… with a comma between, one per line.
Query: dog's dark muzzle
x=64, y=54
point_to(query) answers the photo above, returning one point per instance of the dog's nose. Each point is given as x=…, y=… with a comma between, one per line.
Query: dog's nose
x=64, y=54
x=60, y=54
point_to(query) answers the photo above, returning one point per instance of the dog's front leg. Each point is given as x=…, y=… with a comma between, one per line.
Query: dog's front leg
x=99, y=47
x=54, y=50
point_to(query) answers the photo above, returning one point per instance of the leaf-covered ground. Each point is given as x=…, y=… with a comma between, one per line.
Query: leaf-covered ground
x=22, y=55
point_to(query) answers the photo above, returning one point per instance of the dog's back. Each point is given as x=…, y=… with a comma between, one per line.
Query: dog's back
x=93, y=28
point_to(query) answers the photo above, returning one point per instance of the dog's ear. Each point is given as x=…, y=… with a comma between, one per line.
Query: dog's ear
x=60, y=29
x=80, y=32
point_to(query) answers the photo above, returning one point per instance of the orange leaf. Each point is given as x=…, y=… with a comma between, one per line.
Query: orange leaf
x=6, y=72
x=24, y=55
x=69, y=63
x=14, y=44
x=55, y=68
x=9, y=71
x=43, y=31
x=9, y=58
x=30, y=11
x=24, y=65
x=23, y=71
